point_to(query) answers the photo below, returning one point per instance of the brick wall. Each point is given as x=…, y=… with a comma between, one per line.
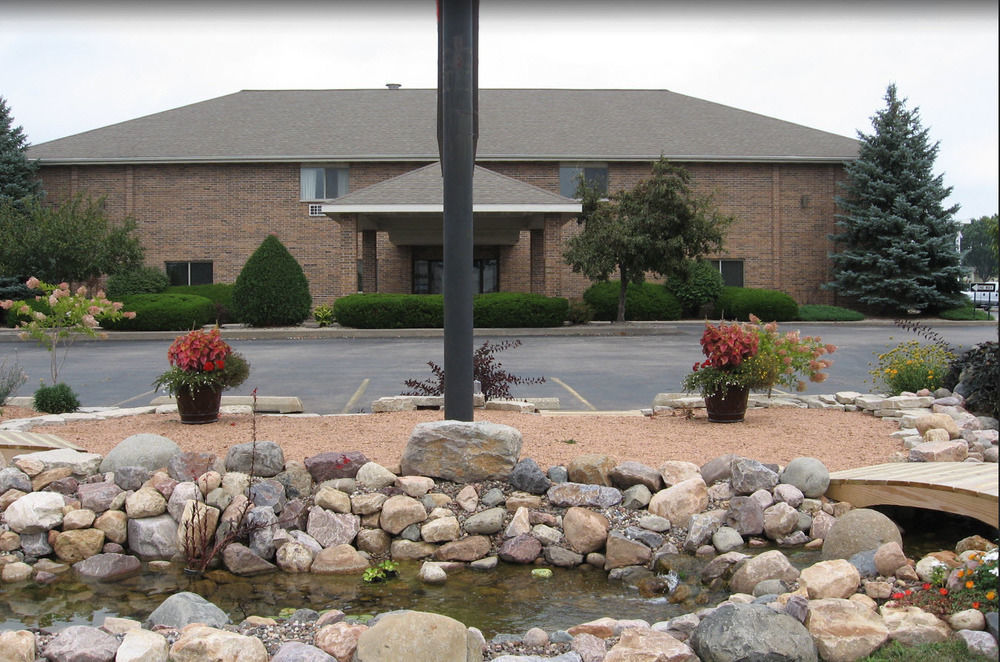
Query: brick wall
x=221, y=212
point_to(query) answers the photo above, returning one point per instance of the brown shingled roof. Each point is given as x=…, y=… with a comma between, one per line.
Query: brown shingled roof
x=515, y=124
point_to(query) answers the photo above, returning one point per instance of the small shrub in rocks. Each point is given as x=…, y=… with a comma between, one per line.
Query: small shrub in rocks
x=57, y=399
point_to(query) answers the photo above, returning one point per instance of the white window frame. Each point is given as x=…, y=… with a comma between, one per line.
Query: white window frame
x=306, y=186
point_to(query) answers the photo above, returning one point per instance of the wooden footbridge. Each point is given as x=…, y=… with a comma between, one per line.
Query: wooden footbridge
x=963, y=488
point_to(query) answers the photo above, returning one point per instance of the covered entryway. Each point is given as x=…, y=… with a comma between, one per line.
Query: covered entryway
x=391, y=235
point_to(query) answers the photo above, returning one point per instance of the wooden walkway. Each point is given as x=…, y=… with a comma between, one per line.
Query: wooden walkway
x=963, y=488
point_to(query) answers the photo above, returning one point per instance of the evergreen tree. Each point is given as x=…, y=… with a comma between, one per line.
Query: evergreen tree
x=271, y=289
x=896, y=240
x=657, y=226
x=18, y=175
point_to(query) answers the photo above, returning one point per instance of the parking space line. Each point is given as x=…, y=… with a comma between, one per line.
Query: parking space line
x=134, y=397
x=573, y=393
x=357, y=396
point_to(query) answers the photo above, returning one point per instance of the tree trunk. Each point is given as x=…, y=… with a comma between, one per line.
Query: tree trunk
x=621, y=298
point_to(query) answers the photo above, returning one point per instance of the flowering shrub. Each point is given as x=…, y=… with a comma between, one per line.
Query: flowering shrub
x=912, y=366
x=69, y=315
x=202, y=360
x=755, y=355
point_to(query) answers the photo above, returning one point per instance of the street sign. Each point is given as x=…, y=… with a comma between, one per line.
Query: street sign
x=984, y=287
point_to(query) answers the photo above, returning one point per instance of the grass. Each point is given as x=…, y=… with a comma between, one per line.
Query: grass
x=953, y=650
x=821, y=313
x=965, y=313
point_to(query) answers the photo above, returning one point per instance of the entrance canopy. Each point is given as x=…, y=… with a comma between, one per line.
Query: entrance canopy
x=410, y=207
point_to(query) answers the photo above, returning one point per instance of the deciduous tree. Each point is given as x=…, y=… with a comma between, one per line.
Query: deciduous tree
x=979, y=246
x=654, y=227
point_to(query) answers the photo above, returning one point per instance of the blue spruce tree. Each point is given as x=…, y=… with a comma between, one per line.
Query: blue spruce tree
x=896, y=240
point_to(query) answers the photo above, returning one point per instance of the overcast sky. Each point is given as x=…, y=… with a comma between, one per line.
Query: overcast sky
x=67, y=67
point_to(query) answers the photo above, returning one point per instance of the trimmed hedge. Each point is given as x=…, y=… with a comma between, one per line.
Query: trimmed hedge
x=221, y=294
x=144, y=280
x=738, y=303
x=700, y=285
x=822, y=313
x=164, y=312
x=518, y=310
x=426, y=311
x=643, y=302
x=390, y=311
x=271, y=289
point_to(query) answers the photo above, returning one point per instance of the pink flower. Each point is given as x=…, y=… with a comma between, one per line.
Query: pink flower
x=53, y=299
x=88, y=321
x=64, y=286
x=129, y=315
x=117, y=305
x=81, y=291
x=39, y=316
x=6, y=305
x=33, y=283
x=94, y=310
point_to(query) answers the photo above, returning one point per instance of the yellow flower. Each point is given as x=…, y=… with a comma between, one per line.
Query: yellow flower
x=970, y=584
x=991, y=595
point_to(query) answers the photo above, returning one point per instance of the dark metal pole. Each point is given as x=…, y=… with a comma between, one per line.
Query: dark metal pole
x=457, y=92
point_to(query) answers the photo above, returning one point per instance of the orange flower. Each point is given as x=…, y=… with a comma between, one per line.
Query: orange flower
x=992, y=595
x=970, y=584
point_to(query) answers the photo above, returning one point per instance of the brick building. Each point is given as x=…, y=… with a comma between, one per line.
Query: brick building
x=349, y=181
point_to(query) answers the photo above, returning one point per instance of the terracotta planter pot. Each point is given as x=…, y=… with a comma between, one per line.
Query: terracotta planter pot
x=199, y=407
x=728, y=406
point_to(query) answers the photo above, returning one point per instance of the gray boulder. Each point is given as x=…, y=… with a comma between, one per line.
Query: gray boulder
x=527, y=476
x=12, y=478
x=462, y=452
x=150, y=451
x=809, y=475
x=407, y=635
x=153, y=538
x=747, y=476
x=108, y=567
x=265, y=458
x=185, y=607
x=296, y=651
x=859, y=530
x=751, y=632
x=189, y=465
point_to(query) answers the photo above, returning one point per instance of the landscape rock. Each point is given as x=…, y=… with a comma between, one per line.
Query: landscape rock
x=339, y=560
x=35, y=512
x=331, y=465
x=245, y=562
x=142, y=646
x=467, y=549
x=859, y=530
x=330, y=529
x=736, y=632
x=98, y=497
x=830, y=579
x=679, y=502
x=187, y=465
x=578, y=494
x=646, y=644
x=528, y=477
x=487, y=522
x=81, y=643
x=809, y=475
x=403, y=636
x=912, y=626
x=591, y=469
x=200, y=643
x=374, y=476
x=265, y=458
x=747, y=476
x=399, y=512
x=183, y=608
x=626, y=474
x=768, y=565
x=585, y=530
x=844, y=630
x=153, y=538
x=462, y=452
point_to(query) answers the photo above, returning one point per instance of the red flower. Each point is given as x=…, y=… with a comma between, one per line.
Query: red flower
x=897, y=596
x=209, y=366
x=943, y=591
x=908, y=592
x=926, y=586
x=975, y=605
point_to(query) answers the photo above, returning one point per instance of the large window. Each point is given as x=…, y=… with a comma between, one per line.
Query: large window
x=731, y=270
x=428, y=275
x=595, y=174
x=189, y=273
x=322, y=183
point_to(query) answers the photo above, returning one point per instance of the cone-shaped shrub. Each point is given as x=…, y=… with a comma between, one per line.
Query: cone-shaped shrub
x=271, y=290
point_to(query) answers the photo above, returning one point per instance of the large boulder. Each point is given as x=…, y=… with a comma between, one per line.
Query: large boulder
x=809, y=475
x=201, y=643
x=417, y=636
x=859, y=530
x=681, y=501
x=149, y=451
x=585, y=530
x=462, y=452
x=36, y=512
x=331, y=465
x=265, y=458
x=751, y=632
x=185, y=607
x=529, y=477
x=830, y=579
x=769, y=565
x=844, y=630
x=591, y=469
x=68, y=644
x=647, y=644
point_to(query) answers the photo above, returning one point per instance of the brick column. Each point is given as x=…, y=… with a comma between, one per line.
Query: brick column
x=347, y=256
x=369, y=258
x=553, y=251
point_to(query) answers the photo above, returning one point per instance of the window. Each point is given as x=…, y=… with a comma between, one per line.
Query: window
x=322, y=183
x=315, y=210
x=595, y=174
x=731, y=270
x=428, y=275
x=189, y=273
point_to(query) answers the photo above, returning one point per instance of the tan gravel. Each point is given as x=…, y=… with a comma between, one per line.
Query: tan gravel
x=841, y=440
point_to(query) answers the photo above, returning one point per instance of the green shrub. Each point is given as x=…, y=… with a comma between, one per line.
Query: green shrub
x=643, y=301
x=518, y=310
x=390, y=311
x=426, y=311
x=57, y=399
x=144, y=280
x=323, y=315
x=220, y=294
x=978, y=370
x=14, y=318
x=579, y=312
x=164, y=312
x=820, y=313
x=700, y=284
x=271, y=289
x=738, y=303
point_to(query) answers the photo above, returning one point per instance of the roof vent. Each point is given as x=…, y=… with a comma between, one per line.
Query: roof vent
x=394, y=86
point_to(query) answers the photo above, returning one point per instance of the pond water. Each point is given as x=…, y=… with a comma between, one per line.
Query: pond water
x=507, y=599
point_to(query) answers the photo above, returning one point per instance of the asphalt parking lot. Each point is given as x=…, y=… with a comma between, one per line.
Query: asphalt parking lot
x=620, y=368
